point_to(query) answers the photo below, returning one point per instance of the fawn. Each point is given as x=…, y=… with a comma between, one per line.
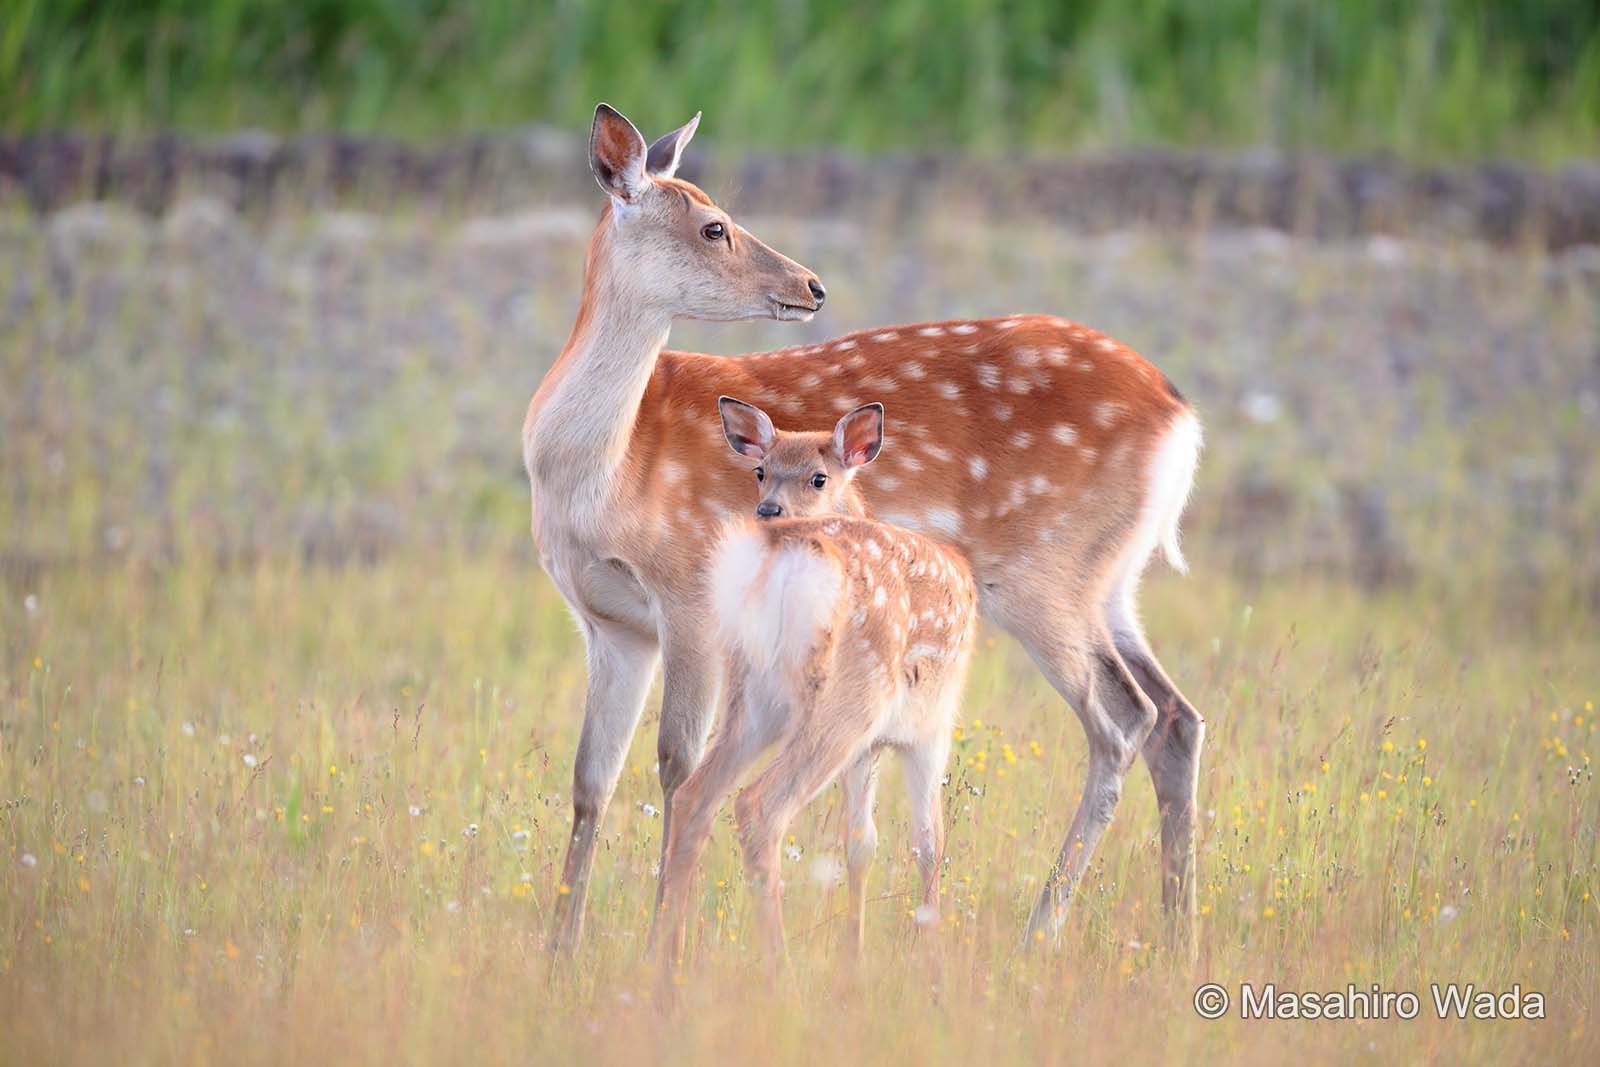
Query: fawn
x=843, y=636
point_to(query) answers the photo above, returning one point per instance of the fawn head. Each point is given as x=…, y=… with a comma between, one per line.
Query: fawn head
x=670, y=249
x=804, y=474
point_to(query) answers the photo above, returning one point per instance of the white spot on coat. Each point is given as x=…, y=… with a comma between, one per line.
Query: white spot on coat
x=945, y=520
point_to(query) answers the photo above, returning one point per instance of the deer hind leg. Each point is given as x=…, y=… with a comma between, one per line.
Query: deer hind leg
x=741, y=736
x=859, y=782
x=1172, y=753
x=821, y=747
x=1082, y=662
x=924, y=766
x=924, y=774
x=621, y=664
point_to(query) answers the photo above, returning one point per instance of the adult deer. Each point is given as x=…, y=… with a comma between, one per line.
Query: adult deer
x=1053, y=458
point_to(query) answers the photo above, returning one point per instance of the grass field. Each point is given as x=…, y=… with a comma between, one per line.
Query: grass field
x=287, y=712
x=280, y=814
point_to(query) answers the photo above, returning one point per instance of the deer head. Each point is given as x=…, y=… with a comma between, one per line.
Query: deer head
x=803, y=474
x=671, y=249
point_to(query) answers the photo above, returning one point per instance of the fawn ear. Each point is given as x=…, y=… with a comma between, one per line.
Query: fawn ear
x=662, y=162
x=617, y=154
x=859, y=436
x=747, y=428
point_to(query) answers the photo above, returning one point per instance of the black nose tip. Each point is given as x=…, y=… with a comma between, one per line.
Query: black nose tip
x=818, y=291
x=768, y=510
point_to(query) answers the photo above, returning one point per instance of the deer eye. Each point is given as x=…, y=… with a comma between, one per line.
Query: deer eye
x=761, y=474
x=713, y=231
x=818, y=481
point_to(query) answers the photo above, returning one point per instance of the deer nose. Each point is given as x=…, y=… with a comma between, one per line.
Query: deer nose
x=768, y=510
x=817, y=291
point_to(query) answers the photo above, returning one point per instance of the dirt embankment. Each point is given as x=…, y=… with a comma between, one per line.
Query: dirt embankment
x=1310, y=196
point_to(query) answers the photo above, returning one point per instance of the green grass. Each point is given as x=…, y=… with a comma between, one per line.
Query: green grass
x=1380, y=804
x=1464, y=78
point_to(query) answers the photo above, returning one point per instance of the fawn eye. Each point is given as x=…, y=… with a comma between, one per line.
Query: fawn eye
x=713, y=231
x=818, y=481
x=761, y=474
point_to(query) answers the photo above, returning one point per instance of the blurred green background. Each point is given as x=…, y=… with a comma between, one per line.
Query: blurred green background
x=1456, y=78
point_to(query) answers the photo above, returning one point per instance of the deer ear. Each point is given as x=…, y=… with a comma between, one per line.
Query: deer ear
x=858, y=437
x=665, y=154
x=747, y=428
x=617, y=154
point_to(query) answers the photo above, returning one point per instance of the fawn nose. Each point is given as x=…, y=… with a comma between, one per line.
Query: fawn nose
x=818, y=291
x=768, y=510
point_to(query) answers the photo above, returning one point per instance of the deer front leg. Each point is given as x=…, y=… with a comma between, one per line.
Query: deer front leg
x=740, y=738
x=691, y=673
x=621, y=663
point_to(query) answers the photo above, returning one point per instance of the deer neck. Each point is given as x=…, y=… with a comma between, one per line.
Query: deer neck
x=586, y=408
